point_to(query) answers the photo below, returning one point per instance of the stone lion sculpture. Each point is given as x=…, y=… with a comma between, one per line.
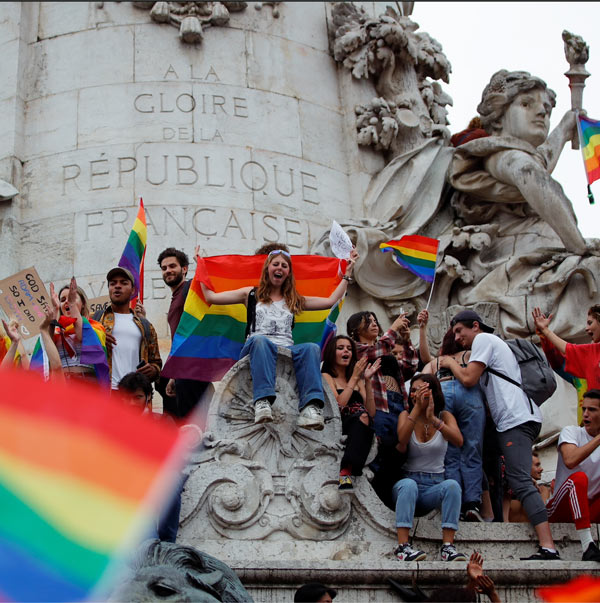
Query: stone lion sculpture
x=163, y=571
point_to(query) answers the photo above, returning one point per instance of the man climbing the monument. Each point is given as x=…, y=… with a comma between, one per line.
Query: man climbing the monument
x=517, y=421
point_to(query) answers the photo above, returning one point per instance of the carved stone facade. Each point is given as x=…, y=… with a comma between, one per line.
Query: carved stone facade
x=273, y=480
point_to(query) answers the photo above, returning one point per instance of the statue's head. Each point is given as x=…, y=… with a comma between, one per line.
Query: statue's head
x=515, y=103
x=162, y=571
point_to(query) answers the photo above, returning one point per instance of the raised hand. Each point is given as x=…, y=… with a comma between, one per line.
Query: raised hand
x=371, y=369
x=49, y=317
x=72, y=297
x=540, y=320
x=475, y=567
x=359, y=368
x=351, y=261
x=423, y=318
x=12, y=330
x=55, y=301
x=139, y=309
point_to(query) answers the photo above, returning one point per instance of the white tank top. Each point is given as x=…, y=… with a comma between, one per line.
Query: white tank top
x=275, y=321
x=426, y=456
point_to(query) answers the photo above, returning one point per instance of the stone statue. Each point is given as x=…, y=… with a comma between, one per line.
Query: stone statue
x=160, y=571
x=508, y=234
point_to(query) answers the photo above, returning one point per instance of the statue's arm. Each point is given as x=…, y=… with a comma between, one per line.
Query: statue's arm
x=544, y=194
x=554, y=144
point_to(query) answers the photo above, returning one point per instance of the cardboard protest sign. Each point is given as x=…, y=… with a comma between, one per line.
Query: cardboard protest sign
x=98, y=303
x=24, y=298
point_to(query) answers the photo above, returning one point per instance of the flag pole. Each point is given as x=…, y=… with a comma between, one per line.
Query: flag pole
x=432, y=282
x=582, y=146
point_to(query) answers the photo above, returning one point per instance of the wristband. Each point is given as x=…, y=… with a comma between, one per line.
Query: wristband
x=348, y=278
x=440, y=425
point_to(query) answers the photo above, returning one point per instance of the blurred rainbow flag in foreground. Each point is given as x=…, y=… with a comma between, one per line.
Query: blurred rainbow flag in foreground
x=209, y=339
x=580, y=589
x=415, y=253
x=81, y=477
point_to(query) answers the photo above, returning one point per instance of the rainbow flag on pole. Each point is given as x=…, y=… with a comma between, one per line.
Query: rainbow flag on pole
x=209, y=339
x=134, y=252
x=589, y=133
x=81, y=477
x=415, y=253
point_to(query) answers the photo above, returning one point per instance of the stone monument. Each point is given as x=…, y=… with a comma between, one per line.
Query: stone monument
x=241, y=123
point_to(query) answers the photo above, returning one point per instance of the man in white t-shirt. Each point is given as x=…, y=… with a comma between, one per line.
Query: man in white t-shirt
x=577, y=487
x=131, y=341
x=517, y=421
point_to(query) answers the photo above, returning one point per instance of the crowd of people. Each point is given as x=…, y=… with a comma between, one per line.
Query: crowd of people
x=451, y=432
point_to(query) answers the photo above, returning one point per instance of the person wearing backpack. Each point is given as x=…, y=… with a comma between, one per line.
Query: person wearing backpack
x=517, y=421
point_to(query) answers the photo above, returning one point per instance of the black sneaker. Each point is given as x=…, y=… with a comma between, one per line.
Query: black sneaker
x=472, y=512
x=405, y=552
x=543, y=555
x=592, y=553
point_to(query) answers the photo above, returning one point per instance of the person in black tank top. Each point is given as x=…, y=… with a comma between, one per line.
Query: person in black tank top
x=350, y=381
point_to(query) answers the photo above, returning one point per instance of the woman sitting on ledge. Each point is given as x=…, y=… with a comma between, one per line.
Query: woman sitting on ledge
x=277, y=303
x=425, y=432
x=350, y=381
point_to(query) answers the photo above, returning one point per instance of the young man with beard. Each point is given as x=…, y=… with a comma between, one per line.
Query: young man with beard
x=187, y=393
x=517, y=422
x=577, y=488
x=131, y=341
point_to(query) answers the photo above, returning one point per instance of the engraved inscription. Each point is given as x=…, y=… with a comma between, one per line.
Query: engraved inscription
x=191, y=221
x=191, y=170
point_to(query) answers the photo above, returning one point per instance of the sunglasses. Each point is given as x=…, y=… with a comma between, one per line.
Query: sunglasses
x=277, y=251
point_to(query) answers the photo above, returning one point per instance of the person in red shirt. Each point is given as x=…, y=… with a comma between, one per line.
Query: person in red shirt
x=581, y=360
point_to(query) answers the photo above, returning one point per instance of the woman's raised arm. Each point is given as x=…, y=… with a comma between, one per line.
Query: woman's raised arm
x=235, y=296
x=324, y=303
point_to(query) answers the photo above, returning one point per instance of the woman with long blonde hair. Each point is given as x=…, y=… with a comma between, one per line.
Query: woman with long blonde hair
x=277, y=303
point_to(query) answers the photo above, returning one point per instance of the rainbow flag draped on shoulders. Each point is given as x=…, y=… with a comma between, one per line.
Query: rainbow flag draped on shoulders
x=81, y=477
x=415, y=253
x=209, y=339
x=135, y=251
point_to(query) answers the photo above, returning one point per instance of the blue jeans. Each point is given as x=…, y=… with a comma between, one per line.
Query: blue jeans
x=263, y=368
x=465, y=464
x=385, y=424
x=420, y=492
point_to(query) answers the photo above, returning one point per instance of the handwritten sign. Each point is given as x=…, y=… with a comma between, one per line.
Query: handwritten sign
x=98, y=303
x=24, y=298
x=341, y=245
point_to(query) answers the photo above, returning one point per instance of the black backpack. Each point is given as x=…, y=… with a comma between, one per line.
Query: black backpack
x=538, y=380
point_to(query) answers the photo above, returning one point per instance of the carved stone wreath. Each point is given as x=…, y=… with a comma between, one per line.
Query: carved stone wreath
x=193, y=17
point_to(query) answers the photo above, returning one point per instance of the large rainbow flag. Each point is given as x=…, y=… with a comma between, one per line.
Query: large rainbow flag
x=81, y=477
x=415, y=253
x=134, y=252
x=209, y=339
x=580, y=589
x=589, y=132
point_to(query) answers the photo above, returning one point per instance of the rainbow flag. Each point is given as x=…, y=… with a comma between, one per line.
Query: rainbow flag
x=39, y=359
x=134, y=252
x=589, y=133
x=81, y=477
x=93, y=349
x=581, y=589
x=209, y=339
x=415, y=253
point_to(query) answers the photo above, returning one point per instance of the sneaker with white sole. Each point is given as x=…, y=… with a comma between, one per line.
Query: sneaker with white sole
x=405, y=552
x=262, y=411
x=448, y=552
x=311, y=417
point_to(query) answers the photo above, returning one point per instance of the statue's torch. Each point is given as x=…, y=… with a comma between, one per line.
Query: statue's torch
x=577, y=53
